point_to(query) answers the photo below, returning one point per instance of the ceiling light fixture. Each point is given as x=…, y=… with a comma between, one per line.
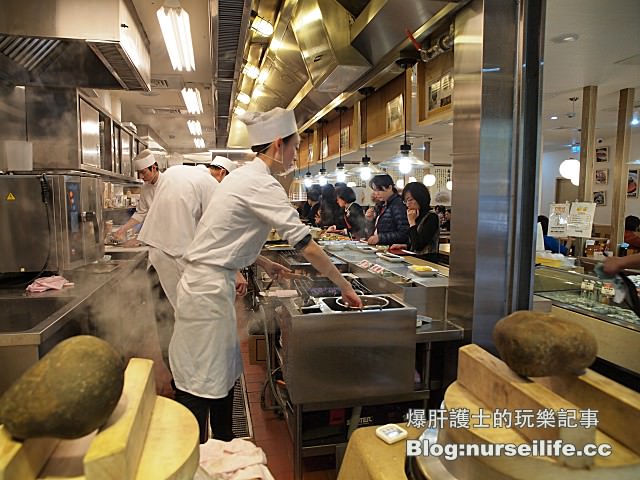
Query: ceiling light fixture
x=341, y=174
x=429, y=179
x=199, y=142
x=195, y=128
x=176, y=31
x=244, y=98
x=251, y=71
x=308, y=178
x=554, y=117
x=565, y=38
x=404, y=160
x=636, y=119
x=322, y=174
x=192, y=101
x=260, y=25
x=365, y=170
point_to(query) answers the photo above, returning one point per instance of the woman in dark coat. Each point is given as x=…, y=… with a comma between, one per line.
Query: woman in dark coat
x=424, y=224
x=353, y=215
x=330, y=211
x=391, y=225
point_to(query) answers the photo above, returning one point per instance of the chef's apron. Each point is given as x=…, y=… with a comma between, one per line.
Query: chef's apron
x=169, y=272
x=204, y=352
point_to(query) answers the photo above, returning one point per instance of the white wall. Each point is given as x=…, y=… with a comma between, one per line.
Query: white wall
x=549, y=173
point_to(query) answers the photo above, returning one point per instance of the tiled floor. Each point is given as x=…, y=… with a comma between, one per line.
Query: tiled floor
x=270, y=432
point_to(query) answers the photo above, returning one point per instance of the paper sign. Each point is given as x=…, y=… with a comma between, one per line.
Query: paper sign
x=580, y=220
x=558, y=218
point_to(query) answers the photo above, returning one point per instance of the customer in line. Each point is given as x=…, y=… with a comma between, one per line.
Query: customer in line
x=354, y=220
x=330, y=212
x=424, y=224
x=204, y=352
x=391, y=225
x=146, y=166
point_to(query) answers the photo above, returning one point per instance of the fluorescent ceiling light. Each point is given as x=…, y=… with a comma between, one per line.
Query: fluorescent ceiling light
x=262, y=26
x=264, y=74
x=251, y=71
x=239, y=110
x=199, y=142
x=194, y=127
x=244, y=98
x=176, y=31
x=192, y=100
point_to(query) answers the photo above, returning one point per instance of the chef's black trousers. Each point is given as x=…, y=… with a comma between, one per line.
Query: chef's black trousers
x=218, y=410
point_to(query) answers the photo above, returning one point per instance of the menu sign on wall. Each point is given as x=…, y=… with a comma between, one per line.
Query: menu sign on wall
x=558, y=218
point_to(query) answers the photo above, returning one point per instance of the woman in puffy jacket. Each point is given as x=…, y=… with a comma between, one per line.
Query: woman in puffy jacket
x=391, y=224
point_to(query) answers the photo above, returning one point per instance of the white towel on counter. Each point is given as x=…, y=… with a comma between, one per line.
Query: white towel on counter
x=55, y=282
x=234, y=460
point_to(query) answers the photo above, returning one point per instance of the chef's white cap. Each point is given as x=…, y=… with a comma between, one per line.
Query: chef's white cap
x=265, y=127
x=143, y=160
x=223, y=162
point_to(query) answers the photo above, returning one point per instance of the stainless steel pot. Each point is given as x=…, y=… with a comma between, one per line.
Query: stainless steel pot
x=369, y=302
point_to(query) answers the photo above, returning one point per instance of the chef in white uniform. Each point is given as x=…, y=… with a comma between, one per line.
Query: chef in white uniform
x=204, y=351
x=147, y=167
x=221, y=166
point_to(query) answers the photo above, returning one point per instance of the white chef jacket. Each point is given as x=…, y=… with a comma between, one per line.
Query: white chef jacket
x=243, y=210
x=148, y=190
x=204, y=352
x=170, y=224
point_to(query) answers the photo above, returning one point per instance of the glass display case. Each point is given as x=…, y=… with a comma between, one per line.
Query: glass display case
x=585, y=294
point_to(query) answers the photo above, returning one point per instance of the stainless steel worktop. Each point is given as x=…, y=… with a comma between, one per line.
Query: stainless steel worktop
x=33, y=318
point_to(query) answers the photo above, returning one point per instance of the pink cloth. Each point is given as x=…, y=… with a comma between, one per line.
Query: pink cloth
x=234, y=460
x=55, y=282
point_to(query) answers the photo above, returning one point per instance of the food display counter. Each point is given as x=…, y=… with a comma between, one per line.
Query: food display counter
x=589, y=301
x=330, y=357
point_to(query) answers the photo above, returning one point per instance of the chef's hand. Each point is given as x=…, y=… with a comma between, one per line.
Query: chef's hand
x=163, y=378
x=120, y=234
x=370, y=214
x=398, y=247
x=276, y=271
x=412, y=215
x=241, y=284
x=331, y=229
x=351, y=298
x=373, y=239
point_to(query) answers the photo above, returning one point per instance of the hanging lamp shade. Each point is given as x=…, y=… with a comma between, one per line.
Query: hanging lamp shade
x=297, y=190
x=405, y=161
x=365, y=170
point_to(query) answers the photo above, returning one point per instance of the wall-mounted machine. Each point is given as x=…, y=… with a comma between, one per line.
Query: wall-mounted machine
x=49, y=222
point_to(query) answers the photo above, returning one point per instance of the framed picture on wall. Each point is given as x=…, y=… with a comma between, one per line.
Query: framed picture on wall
x=600, y=198
x=632, y=184
x=601, y=177
x=602, y=154
x=325, y=147
x=344, y=138
x=394, y=114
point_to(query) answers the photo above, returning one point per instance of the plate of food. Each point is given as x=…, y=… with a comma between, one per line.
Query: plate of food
x=390, y=257
x=423, y=270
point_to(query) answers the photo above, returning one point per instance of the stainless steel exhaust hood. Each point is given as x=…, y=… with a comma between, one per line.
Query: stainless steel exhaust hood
x=74, y=43
x=323, y=34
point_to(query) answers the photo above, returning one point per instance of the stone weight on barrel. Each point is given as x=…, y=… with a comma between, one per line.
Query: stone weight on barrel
x=538, y=345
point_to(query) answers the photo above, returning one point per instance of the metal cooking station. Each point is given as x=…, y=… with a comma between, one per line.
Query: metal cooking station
x=331, y=357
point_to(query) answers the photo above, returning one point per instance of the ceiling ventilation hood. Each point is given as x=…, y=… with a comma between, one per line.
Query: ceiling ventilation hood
x=74, y=43
x=322, y=30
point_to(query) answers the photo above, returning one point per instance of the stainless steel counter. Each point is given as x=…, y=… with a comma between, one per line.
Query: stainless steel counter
x=33, y=323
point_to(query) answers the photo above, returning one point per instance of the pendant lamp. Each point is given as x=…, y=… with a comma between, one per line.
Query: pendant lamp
x=321, y=179
x=308, y=178
x=340, y=174
x=297, y=190
x=365, y=170
x=405, y=160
